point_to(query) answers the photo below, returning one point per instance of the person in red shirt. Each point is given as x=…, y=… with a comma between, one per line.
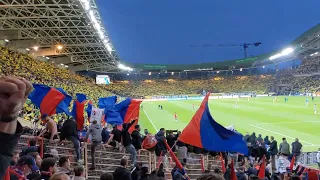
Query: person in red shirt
x=175, y=117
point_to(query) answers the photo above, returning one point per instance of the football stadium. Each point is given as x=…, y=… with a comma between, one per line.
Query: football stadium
x=72, y=108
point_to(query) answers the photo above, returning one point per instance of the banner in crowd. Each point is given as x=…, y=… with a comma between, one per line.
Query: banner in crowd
x=96, y=114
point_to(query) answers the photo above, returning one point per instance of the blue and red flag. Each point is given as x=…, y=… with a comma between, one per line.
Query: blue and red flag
x=78, y=110
x=204, y=132
x=129, y=110
x=107, y=102
x=63, y=106
x=89, y=109
x=46, y=98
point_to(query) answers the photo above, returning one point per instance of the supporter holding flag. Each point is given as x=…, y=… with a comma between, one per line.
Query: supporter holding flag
x=69, y=131
x=95, y=132
x=51, y=131
x=127, y=142
x=204, y=132
x=78, y=110
x=136, y=137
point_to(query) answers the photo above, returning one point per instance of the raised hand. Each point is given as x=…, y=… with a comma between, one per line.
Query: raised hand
x=13, y=94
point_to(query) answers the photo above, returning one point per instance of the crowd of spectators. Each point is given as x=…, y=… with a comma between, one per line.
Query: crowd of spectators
x=259, y=84
x=21, y=65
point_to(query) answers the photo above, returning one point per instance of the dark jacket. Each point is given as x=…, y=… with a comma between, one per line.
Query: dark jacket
x=296, y=147
x=125, y=135
x=116, y=135
x=43, y=176
x=8, y=143
x=69, y=129
x=136, y=139
x=241, y=176
x=171, y=140
x=273, y=147
x=28, y=150
x=121, y=173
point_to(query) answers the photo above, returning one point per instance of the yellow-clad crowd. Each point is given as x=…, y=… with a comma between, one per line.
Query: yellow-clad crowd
x=16, y=64
x=258, y=84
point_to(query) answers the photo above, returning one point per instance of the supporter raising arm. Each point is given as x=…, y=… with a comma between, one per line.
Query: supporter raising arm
x=13, y=94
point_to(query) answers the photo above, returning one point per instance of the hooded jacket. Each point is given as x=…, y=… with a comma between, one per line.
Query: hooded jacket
x=95, y=131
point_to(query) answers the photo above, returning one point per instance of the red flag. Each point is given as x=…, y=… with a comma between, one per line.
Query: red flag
x=7, y=175
x=223, y=166
x=292, y=163
x=232, y=173
x=262, y=168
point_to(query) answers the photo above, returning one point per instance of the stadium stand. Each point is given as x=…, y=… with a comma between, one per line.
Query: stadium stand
x=259, y=84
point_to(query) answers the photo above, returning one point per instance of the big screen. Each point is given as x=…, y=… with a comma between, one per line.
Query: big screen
x=103, y=79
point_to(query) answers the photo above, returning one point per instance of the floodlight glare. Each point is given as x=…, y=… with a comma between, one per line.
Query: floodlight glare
x=36, y=48
x=172, y=73
x=59, y=47
x=6, y=40
x=286, y=51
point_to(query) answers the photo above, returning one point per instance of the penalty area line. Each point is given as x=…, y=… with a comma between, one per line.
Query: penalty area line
x=150, y=120
x=279, y=134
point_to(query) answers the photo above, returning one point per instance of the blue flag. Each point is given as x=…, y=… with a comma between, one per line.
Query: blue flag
x=107, y=102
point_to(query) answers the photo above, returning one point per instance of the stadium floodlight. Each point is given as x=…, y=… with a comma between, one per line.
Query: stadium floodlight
x=218, y=72
x=128, y=74
x=59, y=47
x=62, y=64
x=275, y=56
x=149, y=73
x=263, y=66
x=36, y=48
x=109, y=48
x=27, y=49
x=240, y=69
x=66, y=66
x=286, y=51
x=6, y=40
x=47, y=58
x=172, y=73
x=316, y=53
x=121, y=66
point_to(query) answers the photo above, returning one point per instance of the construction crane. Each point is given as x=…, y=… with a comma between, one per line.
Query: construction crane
x=245, y=46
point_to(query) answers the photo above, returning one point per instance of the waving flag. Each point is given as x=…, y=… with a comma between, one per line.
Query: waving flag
x=63, y=106
x=107, y=102
x=262, y=169
x=129, y=110
x=46, y=98
x=78, y=110
x=204, y=132
x=89, y=109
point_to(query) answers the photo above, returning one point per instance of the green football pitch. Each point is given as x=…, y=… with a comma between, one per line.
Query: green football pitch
x=293, y=119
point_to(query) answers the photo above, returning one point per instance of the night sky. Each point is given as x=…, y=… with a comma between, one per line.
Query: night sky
x=171, y=31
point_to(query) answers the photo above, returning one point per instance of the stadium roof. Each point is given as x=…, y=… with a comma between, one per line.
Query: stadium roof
x=304, y=45
x=69, y=32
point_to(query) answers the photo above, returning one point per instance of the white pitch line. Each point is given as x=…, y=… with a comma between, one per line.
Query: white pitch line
x=279, y=134
x=296, y=122
x=150, y=120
